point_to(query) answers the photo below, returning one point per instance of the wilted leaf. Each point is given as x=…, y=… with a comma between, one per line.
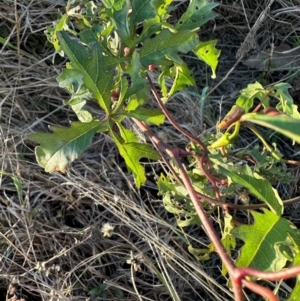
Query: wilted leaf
x=248, y=95
x=182, y=78
x=51, y=32
x=177, y=201
x=201, y=253
x=77, y=106
x=286, y=102
x=71, y=79
x=228, y=240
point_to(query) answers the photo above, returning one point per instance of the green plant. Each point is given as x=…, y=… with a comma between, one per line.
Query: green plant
x=101, y=291
x=112, y=48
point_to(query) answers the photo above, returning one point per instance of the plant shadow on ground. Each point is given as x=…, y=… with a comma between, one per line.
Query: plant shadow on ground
x=51, y=240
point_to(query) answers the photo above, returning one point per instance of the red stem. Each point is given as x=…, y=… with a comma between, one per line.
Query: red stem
x=173, y=122
x=204, y=157
x=237, y=275
x=260, y=290
x=210, y=231
x=272, y=276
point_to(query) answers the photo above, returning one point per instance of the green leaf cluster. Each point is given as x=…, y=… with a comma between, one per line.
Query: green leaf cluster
x=283, y=119
x=270, y=241
x=110, y=48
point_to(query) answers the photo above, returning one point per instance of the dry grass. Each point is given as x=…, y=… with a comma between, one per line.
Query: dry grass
x=51, y=239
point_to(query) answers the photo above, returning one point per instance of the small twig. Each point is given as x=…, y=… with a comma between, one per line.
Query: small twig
x=249, y=42
x=133, y=283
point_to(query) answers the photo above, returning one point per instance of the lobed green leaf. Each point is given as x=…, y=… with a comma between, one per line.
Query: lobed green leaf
x=132, y=151
x=166, y=45
x=263, y=240
x=228, y=240
x=60, y=148
x=198, y=13
x=285, y=104
x=91, y=63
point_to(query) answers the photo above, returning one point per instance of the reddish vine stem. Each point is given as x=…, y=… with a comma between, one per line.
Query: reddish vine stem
x=260, y=290
x=213, y=180
x=204, y=156
x=258, y=206
x=159, y=145
x=210, y=231
x=261, y=102
x=172, y=121
x=237, y=274
x=273, y=276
